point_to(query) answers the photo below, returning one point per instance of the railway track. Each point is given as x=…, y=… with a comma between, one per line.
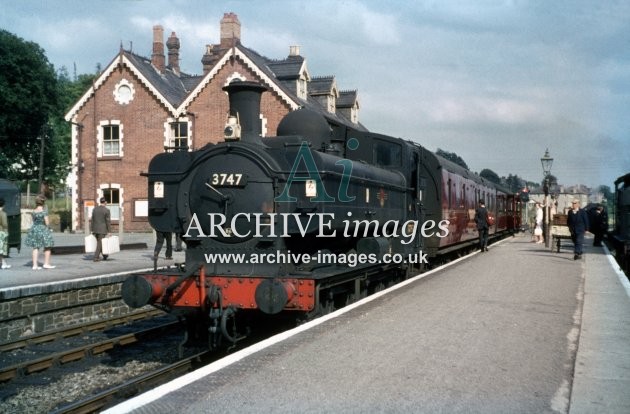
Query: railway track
x=27, y=357
x=101, y=400
x=79, y=329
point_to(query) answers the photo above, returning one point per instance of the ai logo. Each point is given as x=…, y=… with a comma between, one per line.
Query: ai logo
x=315, y=189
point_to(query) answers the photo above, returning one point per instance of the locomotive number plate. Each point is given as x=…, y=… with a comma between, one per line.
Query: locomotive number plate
x=229, y=180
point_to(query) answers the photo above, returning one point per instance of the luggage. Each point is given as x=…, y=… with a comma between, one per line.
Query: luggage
x=111, y=244
x=90, y=244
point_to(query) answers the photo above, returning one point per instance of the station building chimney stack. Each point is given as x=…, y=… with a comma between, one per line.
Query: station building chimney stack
x=157, y=58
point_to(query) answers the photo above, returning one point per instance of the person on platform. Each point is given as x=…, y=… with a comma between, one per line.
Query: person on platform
x=4, y=236
x=577, y=221
x=481, y=219
x=599, y=225
x=101, y=227
x=160, y=237
x=178, y=242
x=39, y=235
x=538, y=231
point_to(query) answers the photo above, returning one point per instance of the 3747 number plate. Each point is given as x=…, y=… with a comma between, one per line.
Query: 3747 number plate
x=228, y=180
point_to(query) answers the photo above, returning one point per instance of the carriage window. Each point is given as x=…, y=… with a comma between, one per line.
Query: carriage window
x=387, y=154
x=450, y=194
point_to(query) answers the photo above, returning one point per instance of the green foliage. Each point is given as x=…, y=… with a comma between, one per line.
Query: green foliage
x=33, y=102
x=490, y=176
x=451, y=156
x=515, y=183
x=28, y=95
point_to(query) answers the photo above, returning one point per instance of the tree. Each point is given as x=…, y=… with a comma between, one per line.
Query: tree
x=490, y=176
x=28, y=94
x=69, y=92
x=451, y=156
x=515, y=183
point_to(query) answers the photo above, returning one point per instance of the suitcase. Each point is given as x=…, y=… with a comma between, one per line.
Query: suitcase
x=90, y=244
x=111, y=245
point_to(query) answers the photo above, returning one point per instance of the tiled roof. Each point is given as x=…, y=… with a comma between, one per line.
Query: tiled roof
x=174, y=87
x=321, y=85
x=288, y=68
x=346, y=99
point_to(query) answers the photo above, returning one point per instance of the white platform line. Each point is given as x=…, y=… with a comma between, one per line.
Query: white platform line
x=620, y=274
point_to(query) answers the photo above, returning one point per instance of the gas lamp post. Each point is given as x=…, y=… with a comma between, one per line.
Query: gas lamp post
x=546, y=162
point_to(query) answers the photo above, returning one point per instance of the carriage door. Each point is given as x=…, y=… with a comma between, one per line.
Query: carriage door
x=420, y=191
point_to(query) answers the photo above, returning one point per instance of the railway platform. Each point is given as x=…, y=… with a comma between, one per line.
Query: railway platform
x=71, y=263
x=515, y=329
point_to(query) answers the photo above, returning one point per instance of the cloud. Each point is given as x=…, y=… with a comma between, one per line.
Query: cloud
x=494, y=82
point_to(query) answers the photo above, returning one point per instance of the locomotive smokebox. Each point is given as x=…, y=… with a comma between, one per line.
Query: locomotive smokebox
x=245, y=107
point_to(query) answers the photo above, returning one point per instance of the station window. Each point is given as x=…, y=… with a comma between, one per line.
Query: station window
x=179, y=135
x=110, y=137
x=112, y=195
x=111, y=140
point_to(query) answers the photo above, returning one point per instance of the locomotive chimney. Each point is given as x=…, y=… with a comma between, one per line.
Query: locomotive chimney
x=245, y=109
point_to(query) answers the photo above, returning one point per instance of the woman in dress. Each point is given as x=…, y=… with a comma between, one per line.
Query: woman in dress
x=39, y=236
x=538, y=232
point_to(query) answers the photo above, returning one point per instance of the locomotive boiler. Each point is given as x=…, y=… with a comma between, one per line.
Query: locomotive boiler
x=318, y=216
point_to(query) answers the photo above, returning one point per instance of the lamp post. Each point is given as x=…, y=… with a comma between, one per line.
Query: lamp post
x=546, y=162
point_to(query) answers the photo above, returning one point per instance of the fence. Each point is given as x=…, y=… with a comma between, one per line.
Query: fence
x=59, y=214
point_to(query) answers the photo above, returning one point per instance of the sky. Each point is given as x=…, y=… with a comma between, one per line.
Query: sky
x=496, y=82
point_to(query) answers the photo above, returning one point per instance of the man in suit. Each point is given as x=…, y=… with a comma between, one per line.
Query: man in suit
x=481, y=218
x=101, y=227
x=577, y=221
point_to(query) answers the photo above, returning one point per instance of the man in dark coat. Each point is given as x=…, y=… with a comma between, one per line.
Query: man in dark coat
x=577, y=221
x=101, y=227
x=481, y=218
x=599, y=224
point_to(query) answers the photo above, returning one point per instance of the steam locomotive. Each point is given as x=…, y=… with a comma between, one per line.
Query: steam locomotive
x=620, y=236
x=299, y=224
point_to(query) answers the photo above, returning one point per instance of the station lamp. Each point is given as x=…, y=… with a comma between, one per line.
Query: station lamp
x=546, y=162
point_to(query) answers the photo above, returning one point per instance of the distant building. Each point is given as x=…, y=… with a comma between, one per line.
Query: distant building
x=561, y=201
x=139, y=106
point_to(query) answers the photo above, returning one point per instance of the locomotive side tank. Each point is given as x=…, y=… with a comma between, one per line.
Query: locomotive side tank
x=316, y=217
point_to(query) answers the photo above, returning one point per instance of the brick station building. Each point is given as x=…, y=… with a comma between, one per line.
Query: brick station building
x=138, y=107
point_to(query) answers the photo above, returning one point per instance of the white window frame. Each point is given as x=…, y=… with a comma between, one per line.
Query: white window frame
x=116, y=210
x=100, y=138
x=124, y=92
x=169, y=138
